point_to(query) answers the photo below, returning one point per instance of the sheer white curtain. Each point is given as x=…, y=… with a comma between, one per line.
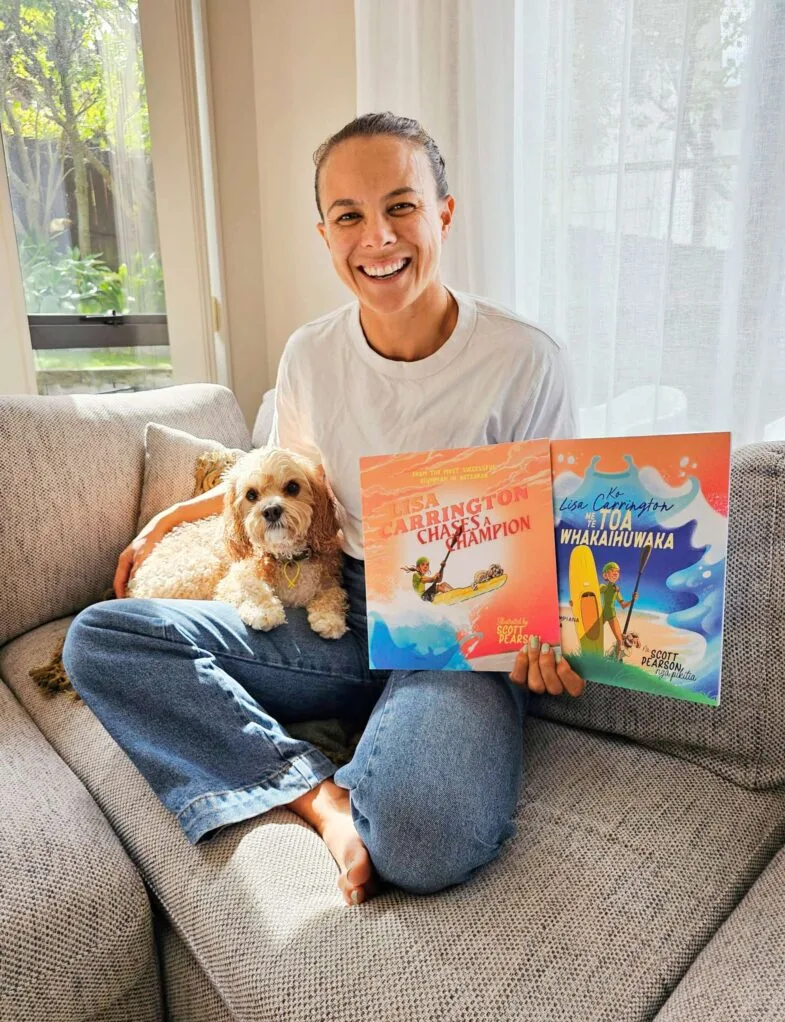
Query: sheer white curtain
x=619, y=174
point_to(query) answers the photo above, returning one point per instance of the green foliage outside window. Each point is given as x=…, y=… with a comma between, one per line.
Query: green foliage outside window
x=63, y=283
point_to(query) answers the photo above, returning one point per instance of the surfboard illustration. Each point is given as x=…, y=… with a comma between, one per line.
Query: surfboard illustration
x=585, y=599
x=468, y=592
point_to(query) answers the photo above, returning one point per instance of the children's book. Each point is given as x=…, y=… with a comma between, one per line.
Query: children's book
x=460, y=563
x=641, y=544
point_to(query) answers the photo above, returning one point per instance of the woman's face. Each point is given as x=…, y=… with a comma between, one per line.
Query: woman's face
x=383, y=223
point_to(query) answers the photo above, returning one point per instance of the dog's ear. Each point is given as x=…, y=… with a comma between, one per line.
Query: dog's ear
x=235, y=536
x=324, y=522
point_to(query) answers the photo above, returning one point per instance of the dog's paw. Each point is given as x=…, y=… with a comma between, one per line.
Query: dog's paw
x=262, y=617
x=328, y=624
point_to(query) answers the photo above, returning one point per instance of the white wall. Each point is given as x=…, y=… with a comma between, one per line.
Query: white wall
x=230, y=53
x=283, y=79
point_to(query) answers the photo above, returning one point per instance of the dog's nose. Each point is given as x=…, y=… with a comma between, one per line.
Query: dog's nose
x=272, y=513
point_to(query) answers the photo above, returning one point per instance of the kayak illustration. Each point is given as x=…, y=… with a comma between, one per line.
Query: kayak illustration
x=585, y=599
x=469, y=592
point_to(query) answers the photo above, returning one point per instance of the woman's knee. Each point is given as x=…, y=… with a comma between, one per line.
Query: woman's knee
x=101, y=633
x=422, y=847
x=439, y=782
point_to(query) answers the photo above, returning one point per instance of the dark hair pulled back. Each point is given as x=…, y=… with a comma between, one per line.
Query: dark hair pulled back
x=387, y=123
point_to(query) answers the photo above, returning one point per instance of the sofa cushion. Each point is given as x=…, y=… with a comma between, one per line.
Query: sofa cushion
x=740, y=974
x=71, y=485
x=744, y=738
x=76, y=935
x=626, y=862
x=169, y=462
x=189, y=993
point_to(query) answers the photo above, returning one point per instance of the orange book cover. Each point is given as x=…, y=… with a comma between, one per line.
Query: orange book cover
x=460, y=565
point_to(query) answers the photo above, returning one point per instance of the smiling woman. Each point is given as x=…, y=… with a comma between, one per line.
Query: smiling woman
x=411, y=365
x=386, y=244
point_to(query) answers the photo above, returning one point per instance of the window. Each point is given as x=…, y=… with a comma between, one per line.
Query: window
x=76, y=144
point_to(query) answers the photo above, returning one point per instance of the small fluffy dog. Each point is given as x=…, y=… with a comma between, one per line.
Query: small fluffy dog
x=276, y=545
x=487, y=574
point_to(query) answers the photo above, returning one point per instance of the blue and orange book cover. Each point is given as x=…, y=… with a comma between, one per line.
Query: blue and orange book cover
x=460, y=563
x=641, y=527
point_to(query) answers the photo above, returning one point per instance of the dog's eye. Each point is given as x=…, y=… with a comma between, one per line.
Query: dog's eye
x=251, y=495
x=292, y=488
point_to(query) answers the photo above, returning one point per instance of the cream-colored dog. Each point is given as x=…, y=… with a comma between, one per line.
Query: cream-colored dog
x=276, y=545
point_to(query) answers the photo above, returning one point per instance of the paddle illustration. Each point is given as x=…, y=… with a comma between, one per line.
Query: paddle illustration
x=431, y=591
x=641, y=565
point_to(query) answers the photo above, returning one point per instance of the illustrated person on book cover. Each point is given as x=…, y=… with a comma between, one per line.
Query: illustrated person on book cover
x=421, y=578
x=611, y=595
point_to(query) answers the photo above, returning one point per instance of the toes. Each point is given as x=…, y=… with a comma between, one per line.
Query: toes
x=352, y=894
x=357, y=883
x=359, y=871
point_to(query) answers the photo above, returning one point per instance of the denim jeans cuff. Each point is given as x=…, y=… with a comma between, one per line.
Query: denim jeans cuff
x=215, y=810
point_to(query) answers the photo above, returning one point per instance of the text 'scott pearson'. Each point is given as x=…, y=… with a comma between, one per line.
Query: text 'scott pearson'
x=641, y=543
x=460, y=564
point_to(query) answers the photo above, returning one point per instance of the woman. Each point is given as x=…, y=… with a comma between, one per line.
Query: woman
x=430, y=793
x=421, y=577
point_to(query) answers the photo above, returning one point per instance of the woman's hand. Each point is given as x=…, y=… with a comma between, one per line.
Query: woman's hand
x=537, y=669
x=130, y=559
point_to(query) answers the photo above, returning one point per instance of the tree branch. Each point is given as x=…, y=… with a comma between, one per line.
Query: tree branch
x=96, y=163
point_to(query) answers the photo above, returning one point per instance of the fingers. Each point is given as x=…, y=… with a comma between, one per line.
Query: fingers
x=526, y=670
x=520, y=671
x=573, y=683
x=536, y=668
x=122, y=573
x=542, y=663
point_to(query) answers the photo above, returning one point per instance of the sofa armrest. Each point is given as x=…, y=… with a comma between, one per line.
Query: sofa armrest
x=73, y=469
x=76, y=936
x=740, y=974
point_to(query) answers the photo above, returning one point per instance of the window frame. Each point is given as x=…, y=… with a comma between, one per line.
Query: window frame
x=170, y=63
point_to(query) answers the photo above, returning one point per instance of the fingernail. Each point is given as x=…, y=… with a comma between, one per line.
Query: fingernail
x=349, y=873
x=534, y=641
x=546, y=647
x=525, y=647
x=558, y=657
x=355, y=897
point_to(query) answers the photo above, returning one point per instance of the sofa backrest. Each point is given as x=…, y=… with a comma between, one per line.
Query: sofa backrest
x=744, y=738
x=72, y=477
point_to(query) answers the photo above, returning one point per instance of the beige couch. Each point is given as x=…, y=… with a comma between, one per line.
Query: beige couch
x=646, y=879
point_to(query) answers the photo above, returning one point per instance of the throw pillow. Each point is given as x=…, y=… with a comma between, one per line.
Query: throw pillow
x=169, y=460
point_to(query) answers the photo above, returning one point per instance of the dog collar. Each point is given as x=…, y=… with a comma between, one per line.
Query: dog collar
x=297, y=557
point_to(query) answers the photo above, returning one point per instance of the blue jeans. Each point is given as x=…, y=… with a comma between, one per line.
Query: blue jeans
x=200, y=703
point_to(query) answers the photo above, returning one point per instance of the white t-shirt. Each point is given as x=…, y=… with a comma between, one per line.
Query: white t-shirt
x=496, y=378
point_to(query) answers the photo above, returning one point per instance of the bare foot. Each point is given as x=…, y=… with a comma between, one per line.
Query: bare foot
x=326, y=808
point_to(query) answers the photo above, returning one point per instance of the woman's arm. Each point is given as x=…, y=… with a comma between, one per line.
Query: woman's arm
x=205, y=504
x=201, y=506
